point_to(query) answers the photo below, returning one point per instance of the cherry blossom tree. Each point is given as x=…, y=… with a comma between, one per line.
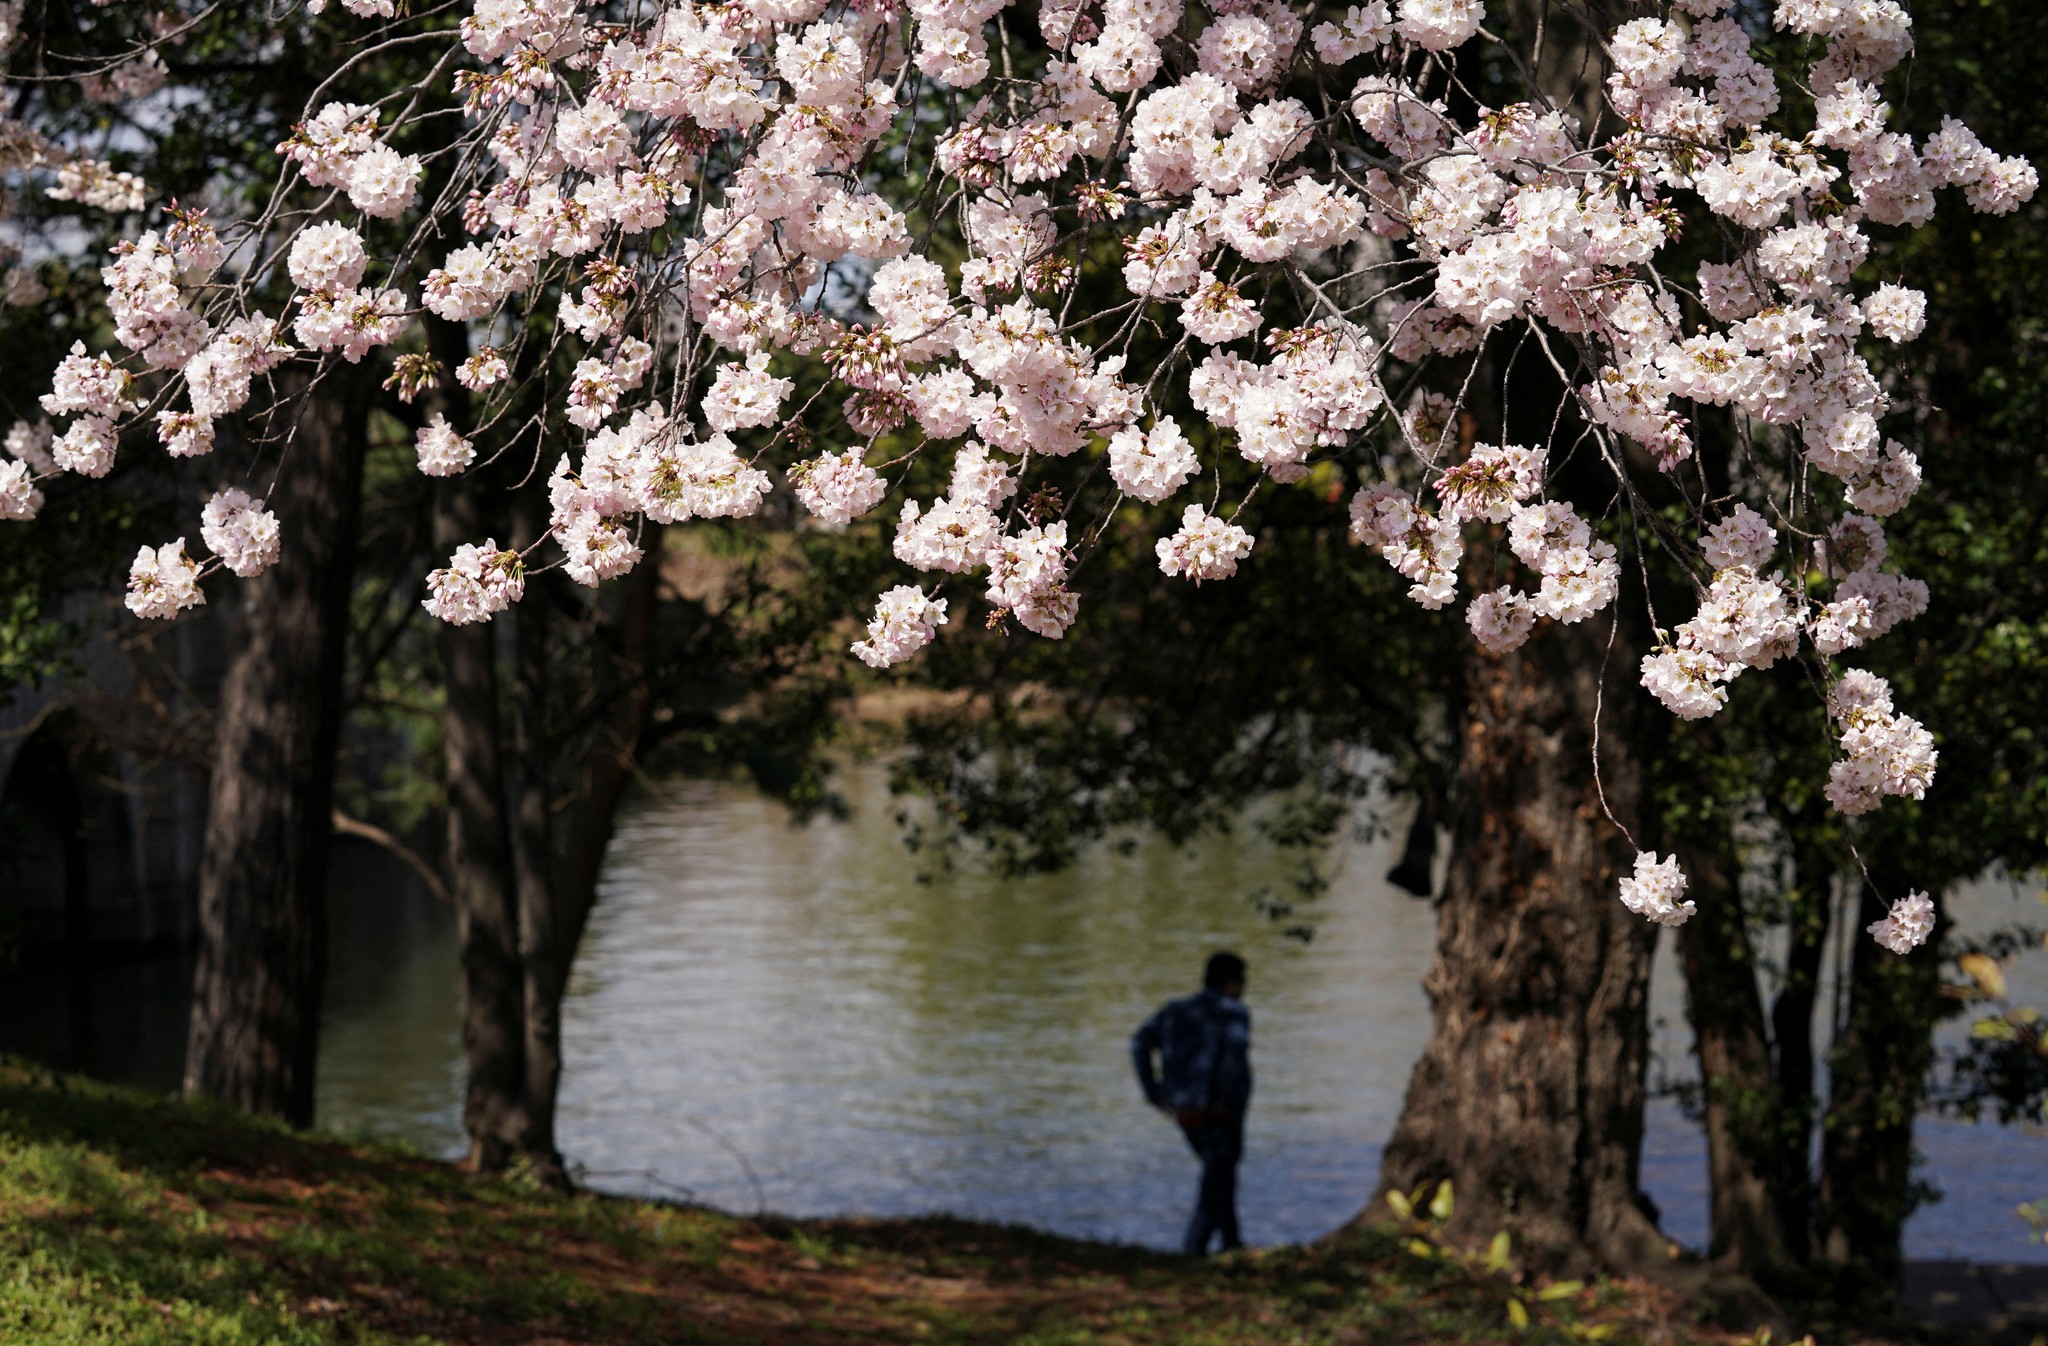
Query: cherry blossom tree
x=1808, y=1114
x=1153, y=261
x=682, y=187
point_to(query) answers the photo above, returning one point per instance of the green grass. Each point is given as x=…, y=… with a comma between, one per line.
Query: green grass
x=129, y=1219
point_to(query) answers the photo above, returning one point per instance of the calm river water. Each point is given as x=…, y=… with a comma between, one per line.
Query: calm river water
x=792, y=1018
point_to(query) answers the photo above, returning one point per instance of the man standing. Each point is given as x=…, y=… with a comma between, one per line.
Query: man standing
x=1194, y=1061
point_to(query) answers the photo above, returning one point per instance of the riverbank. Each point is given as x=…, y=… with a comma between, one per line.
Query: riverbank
x=129, y=1219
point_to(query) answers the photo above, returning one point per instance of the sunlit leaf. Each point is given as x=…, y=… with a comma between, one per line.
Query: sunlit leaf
x=1983, y=969
x=1440, y=1205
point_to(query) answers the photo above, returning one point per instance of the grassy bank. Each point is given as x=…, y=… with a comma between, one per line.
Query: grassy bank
x=128, y=1219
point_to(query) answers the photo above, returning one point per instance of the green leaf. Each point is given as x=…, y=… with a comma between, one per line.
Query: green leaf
x=1996, y=1029
x=1397, y=1202
x=1518, y=1315
x=1440, y=1205
x=1497, y=1252
x=1561, y=1290
x=1421, y=1248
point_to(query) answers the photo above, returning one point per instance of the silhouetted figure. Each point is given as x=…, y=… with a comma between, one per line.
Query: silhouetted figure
x=1194, y=1061
x=1418, y=857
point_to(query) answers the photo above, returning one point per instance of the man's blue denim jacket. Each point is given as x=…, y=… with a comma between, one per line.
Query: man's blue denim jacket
x=1202, y=1045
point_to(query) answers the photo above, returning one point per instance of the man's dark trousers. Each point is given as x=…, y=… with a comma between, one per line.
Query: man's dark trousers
x=1218, y=1142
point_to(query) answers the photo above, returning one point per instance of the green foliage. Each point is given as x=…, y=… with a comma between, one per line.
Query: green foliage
x=1169, y=706
x=1171, y=711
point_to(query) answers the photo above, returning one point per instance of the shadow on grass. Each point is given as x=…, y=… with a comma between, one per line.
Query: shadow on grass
x=131, y=1219
x=128, y=1218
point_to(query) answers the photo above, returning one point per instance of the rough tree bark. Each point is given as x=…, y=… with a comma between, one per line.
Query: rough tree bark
x=558, y=872
x=544, y=968
x=525, y=847
x=480, y=877
x=480, y=872
x=263, y=878
x=1529, y=1095
x=524, y=868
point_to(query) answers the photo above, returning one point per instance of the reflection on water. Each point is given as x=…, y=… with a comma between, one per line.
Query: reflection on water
x=391, y=1028
x=875, y=1044
x=765, y=1015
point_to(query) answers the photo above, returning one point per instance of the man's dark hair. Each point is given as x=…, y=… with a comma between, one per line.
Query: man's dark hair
x=1223, y=969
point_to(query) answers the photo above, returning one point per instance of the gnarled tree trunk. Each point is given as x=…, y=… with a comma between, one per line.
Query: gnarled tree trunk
x=263, y=879
x=1529, y=1095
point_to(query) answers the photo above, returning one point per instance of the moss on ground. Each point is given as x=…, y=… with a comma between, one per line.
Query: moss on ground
x=129, y=1219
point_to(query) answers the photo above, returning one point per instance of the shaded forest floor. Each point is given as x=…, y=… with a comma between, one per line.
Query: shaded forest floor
x=129, y=1219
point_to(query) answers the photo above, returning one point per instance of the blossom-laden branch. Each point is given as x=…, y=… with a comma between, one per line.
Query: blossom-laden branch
x=685, y=185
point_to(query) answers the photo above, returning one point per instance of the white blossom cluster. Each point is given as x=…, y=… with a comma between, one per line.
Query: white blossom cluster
x=905, y=621
x=163, y=581
x=592, y=518
x=28, y=456
x=1907, y=925
x=1655, y=891
x=1883, y=753
x=1150, y=465
x=476, y=585
x=442, y=451
x=1027, y=577
x=1417, y=543
x=682, y=187
x=239, y=531
x=838, y=488
x=1204, y=548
